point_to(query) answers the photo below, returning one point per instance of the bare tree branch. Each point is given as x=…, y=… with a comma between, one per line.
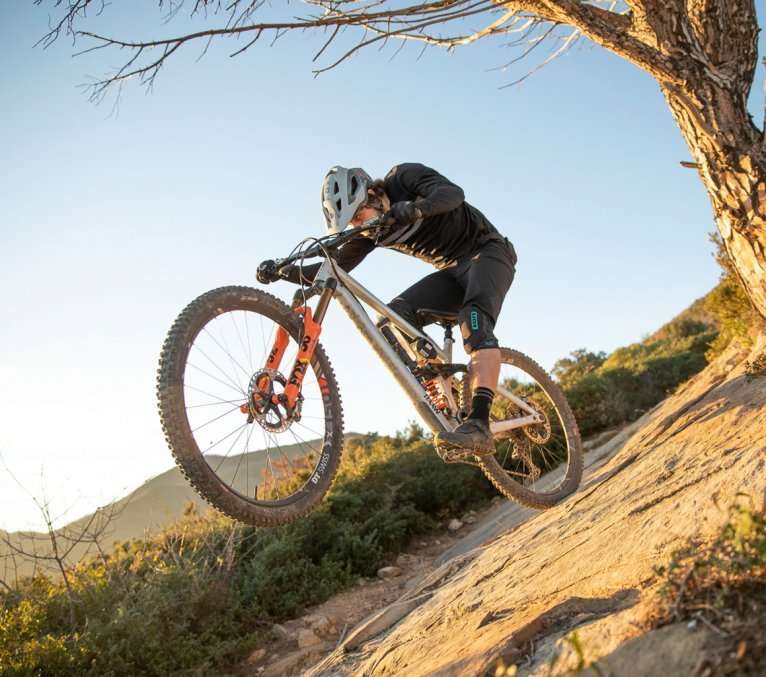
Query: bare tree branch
x=440, y=23
x=703, y=54
x=24, y=550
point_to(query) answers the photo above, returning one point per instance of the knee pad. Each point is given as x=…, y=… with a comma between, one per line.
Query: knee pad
x=476, y=328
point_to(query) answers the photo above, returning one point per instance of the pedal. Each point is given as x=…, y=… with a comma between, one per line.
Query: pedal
x=453, y=455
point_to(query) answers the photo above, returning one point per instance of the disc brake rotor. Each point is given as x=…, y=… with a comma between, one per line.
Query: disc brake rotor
x=266, y=402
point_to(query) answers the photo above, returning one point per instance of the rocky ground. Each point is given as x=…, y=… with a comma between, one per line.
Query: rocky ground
x=548, y=592
x=297, y=645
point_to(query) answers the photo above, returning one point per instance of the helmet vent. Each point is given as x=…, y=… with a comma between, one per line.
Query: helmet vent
x=344, y=191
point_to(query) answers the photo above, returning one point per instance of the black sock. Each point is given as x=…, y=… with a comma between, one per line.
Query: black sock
x=481, y=403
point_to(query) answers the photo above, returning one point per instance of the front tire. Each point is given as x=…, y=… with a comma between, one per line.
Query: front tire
x=537, y=465
x=264, y=470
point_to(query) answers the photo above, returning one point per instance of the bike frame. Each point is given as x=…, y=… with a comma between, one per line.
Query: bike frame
x=350, y=294
x=333, y=282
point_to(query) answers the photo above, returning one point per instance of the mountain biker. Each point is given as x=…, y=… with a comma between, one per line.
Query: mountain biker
x=426, y=216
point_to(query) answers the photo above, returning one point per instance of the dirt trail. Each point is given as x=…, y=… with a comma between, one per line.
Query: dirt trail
x=587, y=564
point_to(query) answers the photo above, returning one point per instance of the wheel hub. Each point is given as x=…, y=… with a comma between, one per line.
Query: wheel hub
x=267, y=403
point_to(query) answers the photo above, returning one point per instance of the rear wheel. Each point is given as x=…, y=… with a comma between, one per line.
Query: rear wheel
x=254, y=460
x=540, y=463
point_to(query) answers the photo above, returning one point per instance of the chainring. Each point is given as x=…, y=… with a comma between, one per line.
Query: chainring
x=539, y=433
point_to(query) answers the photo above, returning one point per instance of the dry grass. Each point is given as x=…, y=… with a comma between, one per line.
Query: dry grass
x=722, y=587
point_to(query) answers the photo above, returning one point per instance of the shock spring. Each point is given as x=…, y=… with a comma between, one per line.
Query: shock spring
x=434, y=392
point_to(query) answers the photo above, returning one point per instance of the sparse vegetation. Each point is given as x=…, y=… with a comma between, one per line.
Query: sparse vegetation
x=755, y=367
x=204, y=592
x=574, y=642
x=728, y=302
x=722, y=586
x=606, y=391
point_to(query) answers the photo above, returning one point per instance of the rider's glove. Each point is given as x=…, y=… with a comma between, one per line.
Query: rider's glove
x=402, y=214
x=266, y=272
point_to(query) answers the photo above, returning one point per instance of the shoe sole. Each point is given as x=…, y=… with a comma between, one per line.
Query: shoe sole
x=447, y=445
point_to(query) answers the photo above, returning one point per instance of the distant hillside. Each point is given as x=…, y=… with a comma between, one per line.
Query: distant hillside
x=696, y=314
x=157, y=503
x=607, y=391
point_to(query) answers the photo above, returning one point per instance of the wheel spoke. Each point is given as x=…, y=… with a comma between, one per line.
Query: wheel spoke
x=262, y=456
x=539, y=462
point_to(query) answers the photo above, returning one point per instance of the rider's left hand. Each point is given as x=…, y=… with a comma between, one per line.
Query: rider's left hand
x=266, y=272
x=402, y=214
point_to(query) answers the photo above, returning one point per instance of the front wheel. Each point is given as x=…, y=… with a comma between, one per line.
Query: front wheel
x=252, y=458
x=540, y=463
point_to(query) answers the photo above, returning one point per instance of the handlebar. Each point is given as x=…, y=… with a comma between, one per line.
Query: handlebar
x=330, y=242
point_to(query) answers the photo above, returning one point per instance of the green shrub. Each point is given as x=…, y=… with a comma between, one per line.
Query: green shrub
x=197, y=597
x=608, y=391
x=729, y=303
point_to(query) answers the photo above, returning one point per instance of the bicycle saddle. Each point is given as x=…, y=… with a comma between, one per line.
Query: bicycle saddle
x=444, y=318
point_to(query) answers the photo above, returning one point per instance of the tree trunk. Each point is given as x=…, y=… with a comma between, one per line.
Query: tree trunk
x=730, y=157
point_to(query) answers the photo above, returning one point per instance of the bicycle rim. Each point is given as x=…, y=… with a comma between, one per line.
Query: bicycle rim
x=259, y=465
x=537, y=464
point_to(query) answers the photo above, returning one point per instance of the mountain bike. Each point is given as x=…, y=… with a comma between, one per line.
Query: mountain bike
x=252, y=412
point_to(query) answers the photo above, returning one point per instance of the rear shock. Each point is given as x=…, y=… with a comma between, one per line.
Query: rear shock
x=435, y=393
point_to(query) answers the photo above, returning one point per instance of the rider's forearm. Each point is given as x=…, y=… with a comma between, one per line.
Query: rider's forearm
x=293, y=273
x=438, y=194
x=348, y=257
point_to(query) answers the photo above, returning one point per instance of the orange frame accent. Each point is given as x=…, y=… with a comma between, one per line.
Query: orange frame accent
x=278, y=349
x=311, y=331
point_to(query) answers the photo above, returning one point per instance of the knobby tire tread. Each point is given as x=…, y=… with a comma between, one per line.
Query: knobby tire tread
x=495, y=472
x=184, y=449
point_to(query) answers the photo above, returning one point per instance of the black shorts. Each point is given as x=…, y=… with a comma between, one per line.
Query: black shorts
x=480, y=280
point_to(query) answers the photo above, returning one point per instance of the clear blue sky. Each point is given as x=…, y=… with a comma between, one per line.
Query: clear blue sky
x=112, y=223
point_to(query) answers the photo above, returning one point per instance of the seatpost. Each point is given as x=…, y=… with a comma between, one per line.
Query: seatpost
x=448, y=341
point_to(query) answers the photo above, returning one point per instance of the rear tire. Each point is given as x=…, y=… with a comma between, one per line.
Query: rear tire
x=273, y=468
x=536, y=465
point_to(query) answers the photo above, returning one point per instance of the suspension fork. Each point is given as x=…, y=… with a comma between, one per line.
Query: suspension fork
x=312, y=328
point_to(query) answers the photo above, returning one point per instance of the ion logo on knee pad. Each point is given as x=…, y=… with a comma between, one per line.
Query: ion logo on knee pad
x=474, y=320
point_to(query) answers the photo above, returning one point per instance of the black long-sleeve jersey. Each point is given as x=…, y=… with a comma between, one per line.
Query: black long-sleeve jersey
x=449, y=230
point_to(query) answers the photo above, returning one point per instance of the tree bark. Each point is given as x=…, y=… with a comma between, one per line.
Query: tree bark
x=713, y=49
x=730, y=157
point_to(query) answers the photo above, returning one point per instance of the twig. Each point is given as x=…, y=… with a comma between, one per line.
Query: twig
x=342, y=636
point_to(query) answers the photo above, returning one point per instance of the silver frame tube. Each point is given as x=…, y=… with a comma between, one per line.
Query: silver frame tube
x=349, y=293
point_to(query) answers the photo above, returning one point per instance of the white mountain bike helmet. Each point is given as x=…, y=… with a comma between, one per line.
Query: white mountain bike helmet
x=343, y=192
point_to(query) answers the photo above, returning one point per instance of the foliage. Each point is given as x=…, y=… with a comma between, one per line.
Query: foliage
x=729, y=303
x=578, y=649
x=607, y=391
x=755, y=368
x=203, y=592
x=573, y=369
x=724, y=587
